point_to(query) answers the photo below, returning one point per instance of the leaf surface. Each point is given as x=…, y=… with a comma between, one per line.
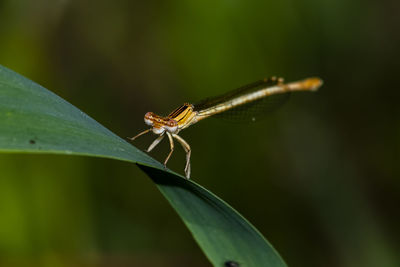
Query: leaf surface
x=35, y=120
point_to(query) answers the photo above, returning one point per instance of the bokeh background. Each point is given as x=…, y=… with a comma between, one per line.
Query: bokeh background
x=319, y=177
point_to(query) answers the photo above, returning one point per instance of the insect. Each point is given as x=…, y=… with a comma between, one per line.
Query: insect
x=256, y=97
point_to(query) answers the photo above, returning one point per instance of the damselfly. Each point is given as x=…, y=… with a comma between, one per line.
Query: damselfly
x=254, y=96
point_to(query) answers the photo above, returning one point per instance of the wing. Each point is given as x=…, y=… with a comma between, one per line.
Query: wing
x=250, y=111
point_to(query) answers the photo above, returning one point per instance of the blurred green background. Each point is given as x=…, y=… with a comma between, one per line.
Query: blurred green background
x=319, y=177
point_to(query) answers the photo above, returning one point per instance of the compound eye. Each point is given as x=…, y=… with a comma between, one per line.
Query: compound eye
x=149, y=115
x=171, y=126
x=172, y=123
x=148, y=118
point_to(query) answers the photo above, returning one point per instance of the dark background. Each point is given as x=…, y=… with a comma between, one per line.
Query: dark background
x=319, y=177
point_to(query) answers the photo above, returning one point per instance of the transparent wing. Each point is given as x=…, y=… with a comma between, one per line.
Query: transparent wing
x=256, y=110
x=250, y=111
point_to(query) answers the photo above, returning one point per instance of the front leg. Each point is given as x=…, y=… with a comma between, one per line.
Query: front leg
x=155, y=143
x=140, y=134
x=171, y=142
x=188, y=151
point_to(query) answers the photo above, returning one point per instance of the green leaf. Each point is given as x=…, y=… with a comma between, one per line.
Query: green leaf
x=34, y=120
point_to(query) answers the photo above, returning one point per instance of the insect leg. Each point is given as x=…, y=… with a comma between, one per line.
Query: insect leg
x=188, y=151
x=142, y=133
x=155, y=142
x=171, y=142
